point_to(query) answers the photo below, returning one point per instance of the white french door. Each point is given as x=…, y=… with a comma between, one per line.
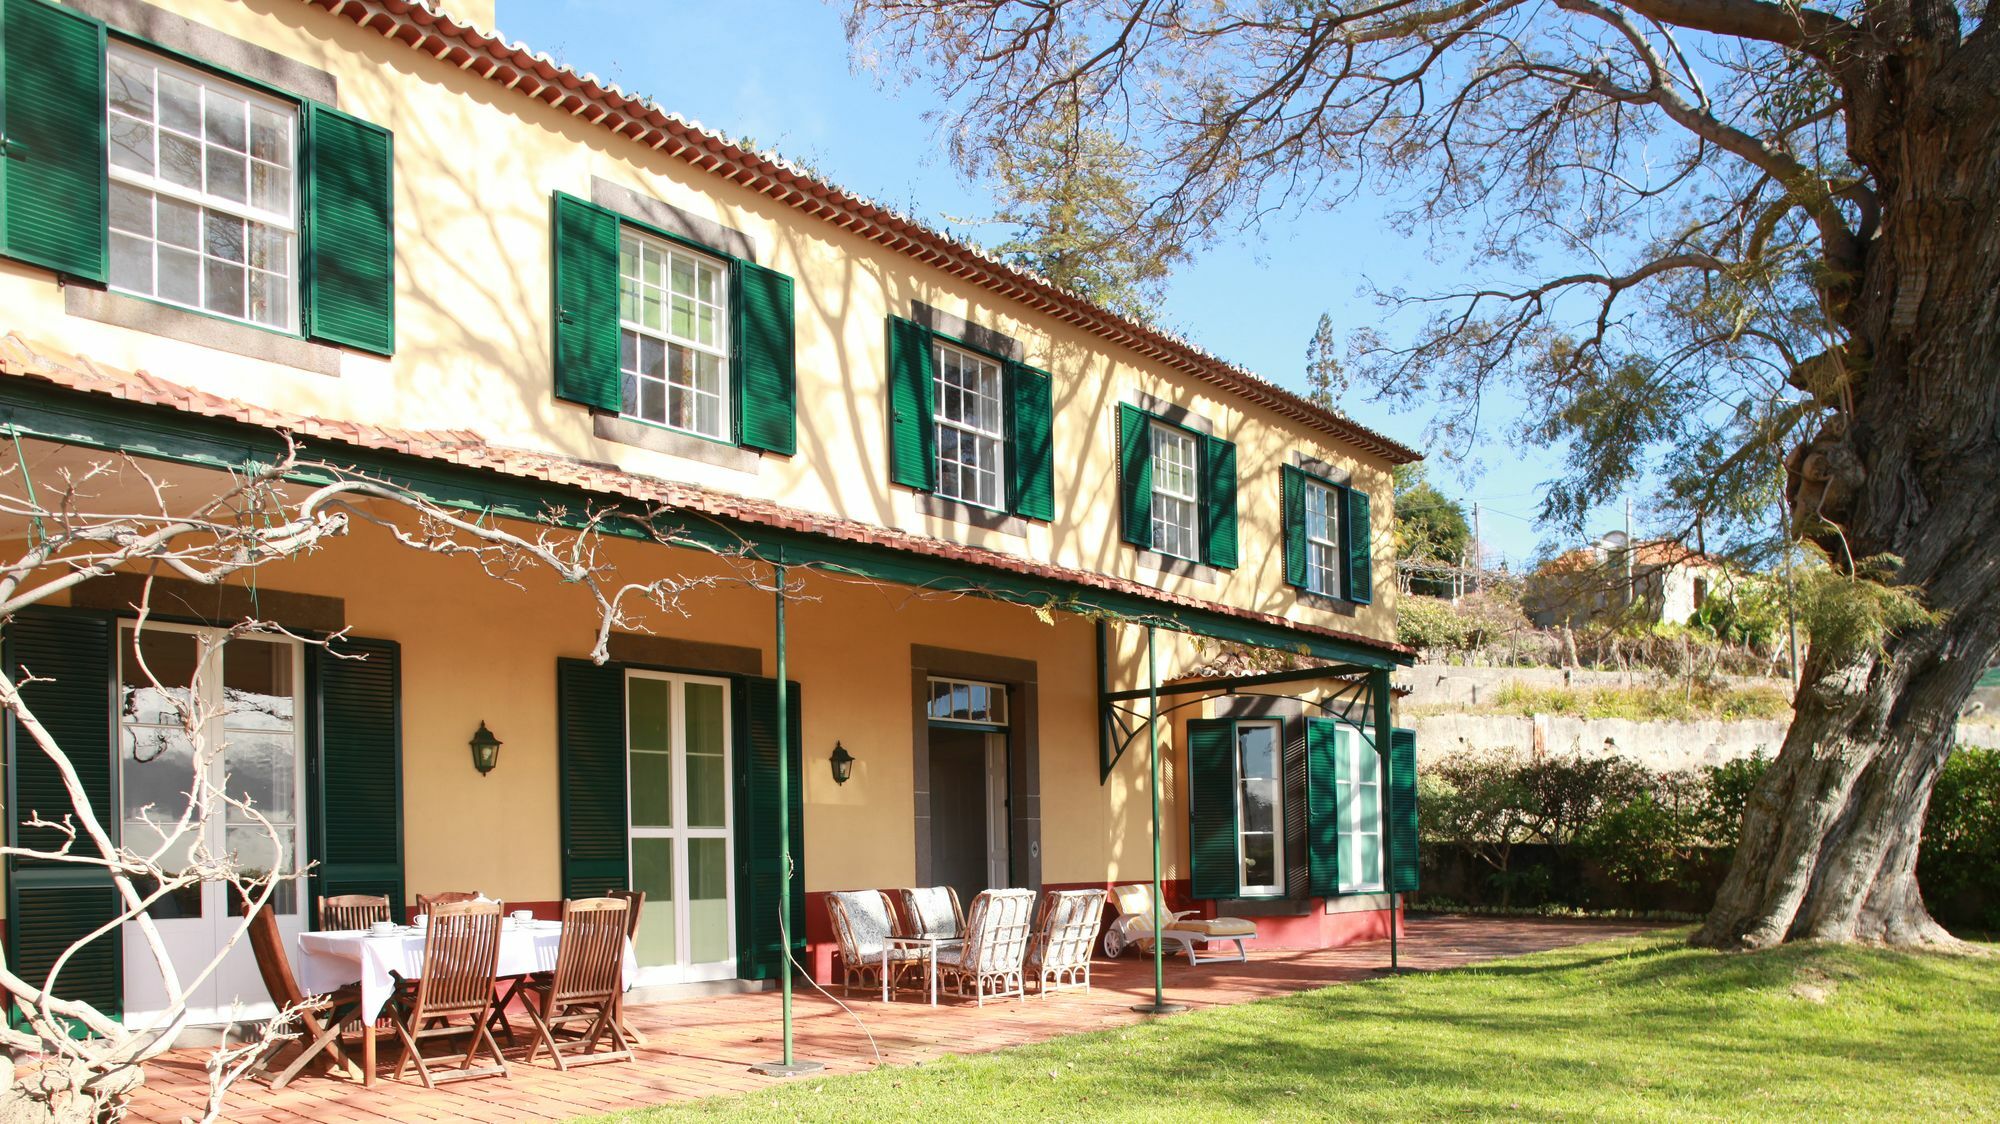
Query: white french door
x=679, y=808
x=249, y=690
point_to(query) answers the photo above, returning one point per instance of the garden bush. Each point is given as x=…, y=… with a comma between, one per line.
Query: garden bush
x=1567, y=831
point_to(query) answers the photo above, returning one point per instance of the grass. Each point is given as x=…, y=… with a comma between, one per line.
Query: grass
x=1637, y=1029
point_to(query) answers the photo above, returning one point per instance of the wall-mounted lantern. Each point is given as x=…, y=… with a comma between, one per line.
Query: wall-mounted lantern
x=843, y=763
x=485, y=749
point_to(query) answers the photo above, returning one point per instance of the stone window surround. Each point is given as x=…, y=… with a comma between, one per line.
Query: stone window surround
x=1152, y=559
x=1024, y=800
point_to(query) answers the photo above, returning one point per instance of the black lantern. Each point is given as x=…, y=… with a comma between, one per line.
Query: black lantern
x=843, y=763
x=485, y=749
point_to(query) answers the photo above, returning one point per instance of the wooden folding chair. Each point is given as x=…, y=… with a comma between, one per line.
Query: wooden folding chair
x=319, y=1018
x=583, y=990
x=635, y=901
x=461, y=952
x=346, y=912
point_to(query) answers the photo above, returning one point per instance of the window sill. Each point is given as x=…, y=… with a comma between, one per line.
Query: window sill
x=971, y=514
x=1266, y=906
x=200, y=328
x=1179, y=567
x=1358, y=901
x=1327, y=602
x=639, y=435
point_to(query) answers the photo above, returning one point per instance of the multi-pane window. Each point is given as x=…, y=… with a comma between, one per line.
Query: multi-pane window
x=1358, y=791
x=674, y=338
x=203, y=191
x=1259, y=808
x=970, y=439
x=1176, y=484
x=1322, y=539
x=964, y=700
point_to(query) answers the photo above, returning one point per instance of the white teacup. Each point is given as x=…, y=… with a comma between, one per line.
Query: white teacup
x=422, y=922
x=382, y=928
x=522, y=916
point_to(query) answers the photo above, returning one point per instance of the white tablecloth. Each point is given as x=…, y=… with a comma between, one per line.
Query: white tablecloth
x=334, y=959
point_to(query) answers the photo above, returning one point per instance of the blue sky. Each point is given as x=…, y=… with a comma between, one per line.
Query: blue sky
x=777, y=72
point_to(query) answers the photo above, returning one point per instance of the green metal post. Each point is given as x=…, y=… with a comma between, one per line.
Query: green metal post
x=788, y=1066
x=1159, y=1005
x=1380, y=687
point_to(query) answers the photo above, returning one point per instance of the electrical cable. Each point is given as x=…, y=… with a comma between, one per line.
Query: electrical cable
x=785, y=931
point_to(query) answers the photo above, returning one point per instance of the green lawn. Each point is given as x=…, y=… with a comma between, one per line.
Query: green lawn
x=1644, y=1028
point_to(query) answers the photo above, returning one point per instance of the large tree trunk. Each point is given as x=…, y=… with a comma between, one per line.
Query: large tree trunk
x=1910, y=467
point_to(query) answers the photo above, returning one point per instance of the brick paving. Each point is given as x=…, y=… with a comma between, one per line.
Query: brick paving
x=703, y=1047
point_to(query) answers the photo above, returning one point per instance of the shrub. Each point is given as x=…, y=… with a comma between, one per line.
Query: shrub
x=1959, y=863
x=1429, y=624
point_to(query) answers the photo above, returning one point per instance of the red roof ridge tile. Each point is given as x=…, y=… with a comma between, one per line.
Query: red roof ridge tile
x=440, y=34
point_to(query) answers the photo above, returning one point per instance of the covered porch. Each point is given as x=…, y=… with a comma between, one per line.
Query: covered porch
x=704, y=1047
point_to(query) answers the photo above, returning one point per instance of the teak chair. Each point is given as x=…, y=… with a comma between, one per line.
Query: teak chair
x=584, y=987
x=989, y=961
x=461, y=951
x=635, y=903
x=320, y=1017
x=863, y=920
x=448, y=897
x=933, y=911
x=1065, y=929
x=344, y=912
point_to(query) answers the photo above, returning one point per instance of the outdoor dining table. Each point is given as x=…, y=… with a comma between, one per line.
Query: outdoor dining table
x=331, y=960
x=928, y=948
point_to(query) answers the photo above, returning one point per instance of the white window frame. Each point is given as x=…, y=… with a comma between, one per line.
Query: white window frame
x=1364, y=776
x=286, y=222
x=996, y=694
x=1277, y=887
x=987, y=467
x=633, y=379
x=1188, y=503
x=1322, y=551
x=685, y=968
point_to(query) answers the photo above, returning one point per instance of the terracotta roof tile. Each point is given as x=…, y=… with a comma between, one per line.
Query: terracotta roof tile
x=20, y=359
x=485, y=53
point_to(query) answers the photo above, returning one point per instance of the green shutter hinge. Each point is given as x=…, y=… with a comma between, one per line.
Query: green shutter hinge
x=13, y=148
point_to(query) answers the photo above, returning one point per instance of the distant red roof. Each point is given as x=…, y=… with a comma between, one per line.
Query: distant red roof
x=1646, y=555
x=465, y=447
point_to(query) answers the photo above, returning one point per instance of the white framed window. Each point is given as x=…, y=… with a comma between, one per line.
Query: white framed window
x=1322, y=539
x=967, y=700
x=204, y=199
x=673, y=347
x=1260, y=803
x=677, y=792
x=971, y=439
x=1358, y=796
x=1176, y=489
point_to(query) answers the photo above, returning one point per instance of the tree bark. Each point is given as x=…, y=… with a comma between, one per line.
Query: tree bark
x=1909, y=467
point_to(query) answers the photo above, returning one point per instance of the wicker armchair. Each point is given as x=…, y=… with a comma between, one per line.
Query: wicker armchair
x=987, y=964
x=862, y=922
x=933, y=911
x=1065, y=929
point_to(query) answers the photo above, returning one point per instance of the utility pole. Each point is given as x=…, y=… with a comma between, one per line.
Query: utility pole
x=1479, y=551
x=1630, y=595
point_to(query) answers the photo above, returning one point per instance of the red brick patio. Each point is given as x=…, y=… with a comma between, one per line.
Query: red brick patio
x=702, y=1047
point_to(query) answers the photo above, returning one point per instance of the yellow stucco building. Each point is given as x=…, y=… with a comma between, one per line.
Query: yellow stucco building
x=438, y=259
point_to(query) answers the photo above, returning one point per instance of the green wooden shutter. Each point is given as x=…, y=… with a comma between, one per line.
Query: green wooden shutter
x=355, y=769
x=590, y=760
x=52, y=904
x=759, y=939
x=1032, y=491
x=912, y=420
x=349, y=249
x=54, y=186
x=1293, y=497
x=1135, y=476
x=1218, y=502
x=766, y=359
x=1213, y=840
x=1323, y=768
x=1402, y=829
x=1357, y=575
x=586, y=303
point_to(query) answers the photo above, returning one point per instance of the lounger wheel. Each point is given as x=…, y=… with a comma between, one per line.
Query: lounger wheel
x=1114, y=943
